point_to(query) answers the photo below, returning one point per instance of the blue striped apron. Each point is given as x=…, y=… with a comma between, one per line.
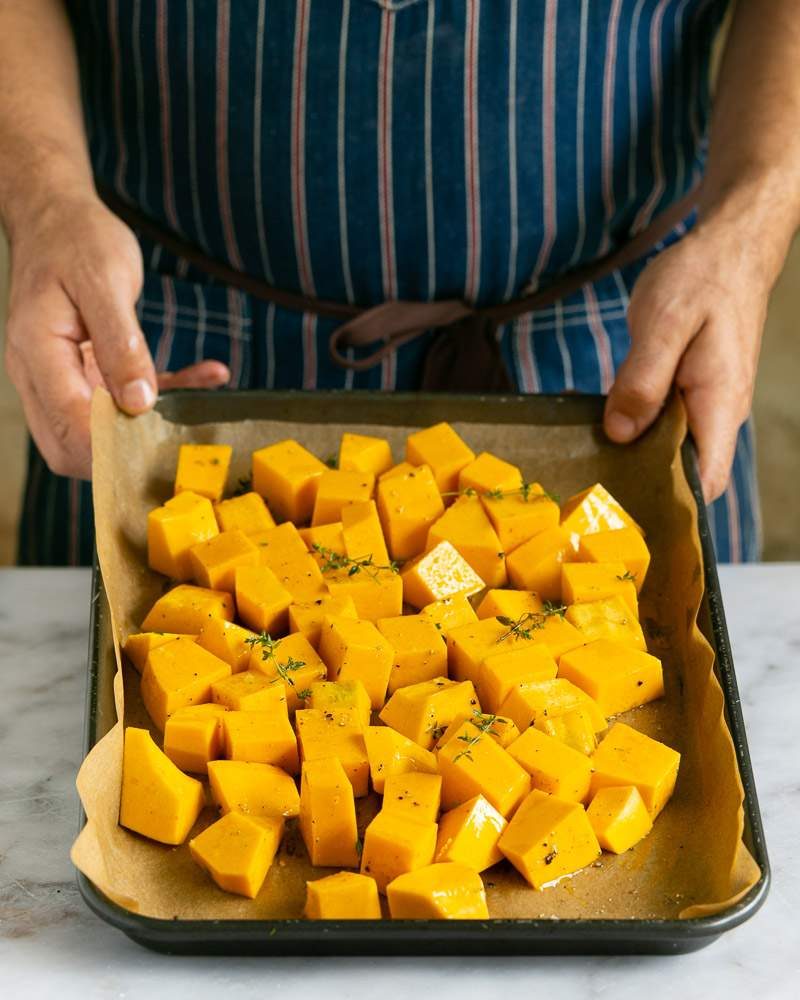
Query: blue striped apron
x=363, y=150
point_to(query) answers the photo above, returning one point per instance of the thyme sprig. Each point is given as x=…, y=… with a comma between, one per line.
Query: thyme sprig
x=269, y=652
x=484, y=724
x=627, y=575
x=529, y=622
x=336, y=561
x=524, y=490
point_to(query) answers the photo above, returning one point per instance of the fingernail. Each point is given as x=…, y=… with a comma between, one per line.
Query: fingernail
x=137, y=395
x=620, y=427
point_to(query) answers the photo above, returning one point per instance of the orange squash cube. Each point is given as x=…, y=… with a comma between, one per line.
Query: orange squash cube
x=394, y=844
x=440, y=448
x=609, y=618
x=551, y=699
x=172, y=530
x=336, y=488
x=356, y=650
x=625, y=545
x=397, y=470
x=575, y=728
x=254, y=789
x=377, y=592
x=138, y=645
x=193, y=737
x=215, y=561
x=465, y=525
x=420, y=653
x=419, y=711
x=415, y=795
x=500, y=671
x=488, y=472
x=333, y=696
x=444, y=891
x=228, y=641
x=449, y=613
x=390, y=753
x=324, y=734
x=408, y=504
x=176, y=675
x=237, y=851
x=438, y=574
x=286, y=475
x=614, y=675
x=261, y=738
x=249, y=691
x=536, y=564
x=628, y=757
x=307, y=616
x=186, y=609
x=285, y=553
x=509, y=604
x=553, y=766
x=322, y=540
x=247, y=513
x=328, y=815
x=468, y=646
x=469, y=834
x=362, y=533
x=584, y=582
x=262, y=601
x=292, y=662
x=363, y=453
x=501, y=730
x=343, y=896
x=517, y=517
x=619, y=818
x=593, y=510
x=472, y=763
x=203, y=469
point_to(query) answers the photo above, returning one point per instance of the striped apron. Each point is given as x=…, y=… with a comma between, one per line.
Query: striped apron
x=365, y=150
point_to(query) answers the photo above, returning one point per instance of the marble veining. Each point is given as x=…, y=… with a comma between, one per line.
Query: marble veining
x=51, y=945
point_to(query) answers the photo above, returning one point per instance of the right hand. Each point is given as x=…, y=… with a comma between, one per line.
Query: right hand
x=76, y=273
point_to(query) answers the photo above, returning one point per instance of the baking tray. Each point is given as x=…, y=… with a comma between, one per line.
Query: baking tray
x=425, y=937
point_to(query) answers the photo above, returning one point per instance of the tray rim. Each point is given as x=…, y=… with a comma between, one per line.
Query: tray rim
x=495, y=936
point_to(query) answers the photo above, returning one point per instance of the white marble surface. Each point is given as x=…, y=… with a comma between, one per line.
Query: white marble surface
x=52, y=946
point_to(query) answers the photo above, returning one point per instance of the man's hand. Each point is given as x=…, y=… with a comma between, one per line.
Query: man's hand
x=76, y=274
x=696, y=316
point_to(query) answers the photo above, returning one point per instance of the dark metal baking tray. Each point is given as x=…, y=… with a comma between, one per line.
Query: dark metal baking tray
x=424, y=937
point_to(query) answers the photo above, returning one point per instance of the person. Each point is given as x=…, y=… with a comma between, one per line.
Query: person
x=367, y=151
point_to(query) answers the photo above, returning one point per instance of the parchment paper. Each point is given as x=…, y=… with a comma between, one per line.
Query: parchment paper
x=693, y=863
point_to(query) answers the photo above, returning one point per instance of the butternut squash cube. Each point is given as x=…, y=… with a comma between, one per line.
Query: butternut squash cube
x=193, y=737
x=285, y=553
x=468, y=646
x=440, y=448
x=472, y=763
x=584, y=582
x=420, y=653
x=343, y=896
x=323, y=734
x=203, y=469
x=449, y=613
x=465, y=525
x=499, y=672
x=628, y=757
x=363, y=453
x=518, y=517
x=250, y=691
x=444, y=891
x=176, y=675
x=215, y=561
x=397, y=470
x=610, y=619
x=416, y=795
x=394, y=844
x=468, y=835
x=377, y=592
x=228, y=641
x=420, y=711
x=335, y=489
x=138, y=645
x=614, y=675
x=261, y=738
x=575, y=728
x=237, y=851
x=286, y=475
x=323, y=539
x=390, y=753
x=553, y=766
x=356, y=650
x=625, y=545
x=253, y=789
x=593, y=510
x=437, y=574
x=307, y=616
x=362, y=533
x=550, y=699
x=173, y=529
x=247, y=513
x=157, y=800
x=408, y=504
x=292, y=662
x=548, y=838
x=487, y=472
x=502, y=730
x=509, y=604
x=332, y=696
x=536, y=564
x=262, y=601
x=328, y=815
x=619, y=818
x=186, y=609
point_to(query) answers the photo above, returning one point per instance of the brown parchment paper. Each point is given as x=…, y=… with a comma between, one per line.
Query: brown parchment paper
x=693, y=863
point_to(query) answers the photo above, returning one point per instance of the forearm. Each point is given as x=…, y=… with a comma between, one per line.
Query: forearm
x=752, y=182
x=43, y=148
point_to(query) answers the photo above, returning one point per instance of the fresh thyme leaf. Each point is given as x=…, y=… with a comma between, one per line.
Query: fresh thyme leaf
x=627, y=575
x=285, y=669
x=304, y=694
x=554, y=608
x=524, y=490
x=335, y=561
x=359, y=845
x=332, y=462
x=245, y=485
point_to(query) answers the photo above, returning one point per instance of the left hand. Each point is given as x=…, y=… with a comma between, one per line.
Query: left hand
x=696, y=317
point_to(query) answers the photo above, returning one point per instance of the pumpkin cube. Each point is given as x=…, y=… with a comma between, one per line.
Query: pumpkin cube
x=253, y=789
x=610, y=618
x=323, y=540
x=500, y=671
x=575, y=728
x=521, y=515
x=332, y=696
x=173, y=529
x=487, y=472
x=444, y=891
x=394, y=844
x=376, y=591
x=548, y=838
x=158, y=800
x=397, y=470
x=322, y=735
x=509, y=604
x=465, y=525
x=619, y=818
x=628, y=757
x=416, y=795
x=420, y=711
x=285, y=553
x=420, y=653
x=437, y=574
x=186, y=609
x=215, y=561
x=502, y=730
x=261, y=738
x=307, y=616
x=468, y=835
x=249, y=691
x=203, y=469
x=247, y=513
x=193, y=737
x=440, y=448
x=328, y=815
x=550, y=699
x=343, y=896
x=356, y=650
x=335, y=489
x=625, y=545
x=138, y=645
x=536, y=564
x=449, y=613
x=468, y=646
x=228, y=641
x=237, y=851
x=390, y=753
x=262, y=601
x=176, y=675
x=408, y=504
x=472, y=763
x=593, y=510
x=292, y=662
x=553, y=766
x=614, y=675
x=286, y=475
x=362, y=533
x=584, y=582
x=363, y=453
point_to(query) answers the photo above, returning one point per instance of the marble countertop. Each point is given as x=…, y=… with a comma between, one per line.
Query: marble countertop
x=52, y=945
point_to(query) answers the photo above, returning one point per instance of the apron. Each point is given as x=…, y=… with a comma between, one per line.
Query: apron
x=369, y=150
